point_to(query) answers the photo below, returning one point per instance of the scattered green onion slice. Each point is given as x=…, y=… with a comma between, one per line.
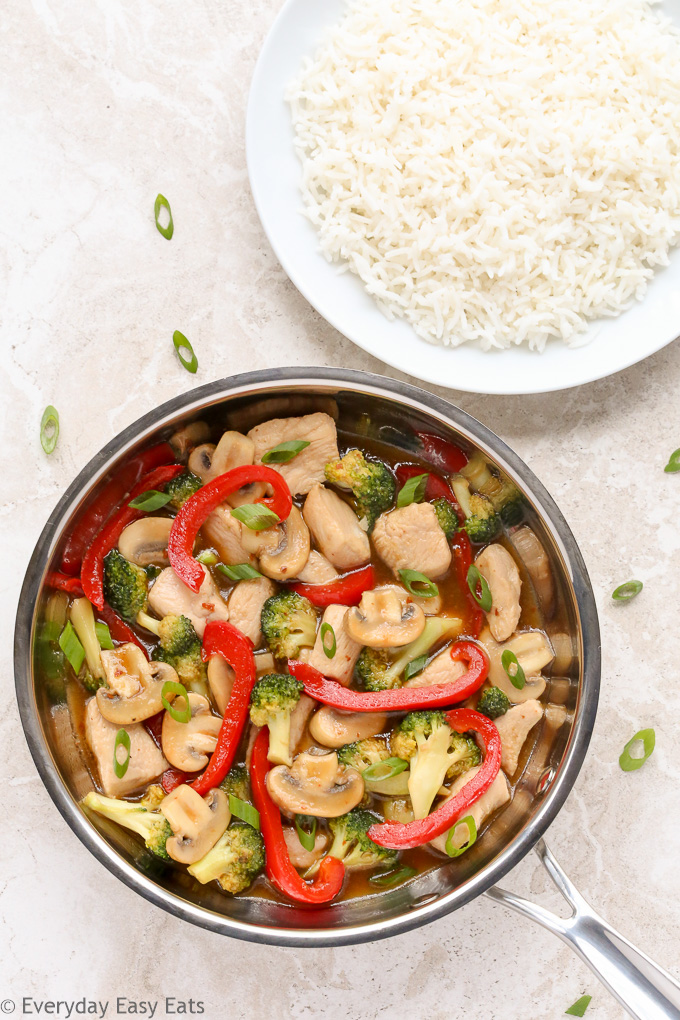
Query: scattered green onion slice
x=387, y=878
x=454, y=851
x=207, y=557
x=627, y=761
x=673, y=464
x=413, y=490
x=415, y=666
x=150, y=500
x=245, y=811
x=329, y=649
x=181, y=343
x=182, y=715
x=580, y=1006
x=122, y=740
x=307, y=838
x=49, y=429
x=516, y=675
x=238, y=571
x=474, y=578
x=284, y=452
x=427, y=589
x=627, y=591
x=103, y=636
x=255, y=516
x=162, y=203
x=70, y=645
x=375, y=773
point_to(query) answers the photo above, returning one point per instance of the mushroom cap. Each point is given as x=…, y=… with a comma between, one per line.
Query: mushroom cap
x=332, y=728
x=292, y=552
x=383, y=620
x=197, y=822
x=145, y=541
x=187, y=745
x=135, y=685
x=315, y=784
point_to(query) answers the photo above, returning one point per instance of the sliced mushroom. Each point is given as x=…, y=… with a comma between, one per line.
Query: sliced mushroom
x=382, y=620
x=134, y=687
x=501, y=574
x=431, y=606
x=145, y=542
x=187, y=745
x=220, y=680
x=332, y=728
x=200, y=461
x=533, y=652
x=514, y=728
x=197, y=822
x=315, y=784
x=188, y=436
x=236, y=450
x=292, y=552
x=256, y=543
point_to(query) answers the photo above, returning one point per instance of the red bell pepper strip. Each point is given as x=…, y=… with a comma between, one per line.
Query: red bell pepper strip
x=172, y=778
x=327, y=882
x=194, y=511
x=435, y=487
x=62, y=582
x=222, y=638
x=118, y=629
x=92, y=574
x=404, y=835
x=462, y=559
x=400, y=699
x=441, y=453
x=108, y=499
x=346, y=591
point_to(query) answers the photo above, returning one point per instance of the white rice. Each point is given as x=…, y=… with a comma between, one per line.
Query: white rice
x=494, y=170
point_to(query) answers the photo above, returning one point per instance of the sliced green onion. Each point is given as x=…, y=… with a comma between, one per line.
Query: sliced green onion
x=329, y=649
x=627, y=591
x=427, y=589
x=673, y=464
x=387, y=878
x=454, y=851
x=415, y=666
x=284, y=452
x=162, y=203
x=245, y=811
x=122, y=740
x=475, y=579
x=152, y=571
x=413, y=490
x=307, y=839
x=70, y=645
x=182, y=715
x=207, y=557
x=631, y=763
x=150, y=500
x=375, y=773
x=255, y=516
x=103, y=636
x=580, y=1006
x=510, y=664
x=49, y=429
x=181, y=343
x=238, y=571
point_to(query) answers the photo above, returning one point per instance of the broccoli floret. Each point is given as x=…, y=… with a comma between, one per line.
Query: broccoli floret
x=153, y=797
x=150, y=825
x=377, y=671
x=351, y=843
x=272, y=700
x=288, y=624
x=235, y=860
x=237, y=781
x=181, y=487
x=481, y=520
x=124, y=585
x=362, y=754
x=504, y=495
x=372, y=671
x=493, y=703
x=446, y=515
x=91, y=683
x=435, y=752
x=180, y=647
x=371, y=483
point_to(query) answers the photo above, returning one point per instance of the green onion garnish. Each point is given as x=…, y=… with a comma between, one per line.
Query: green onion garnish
x=238, y=571
x=103, y=636
x=207, y=557
x=307, y=839
x=329, y=648
x=580, y=1006
x=69, y=642
x=162, y=203
x=245, y=811
x=182, y=715
x=454, y=851
x=387, y=878
x=150, y=500
x=474, y=580
x=255, y=516
x=284, y=452
x=630, y=763
x=181, y=343
x=427, y=589
x=122, y=740
x=413, y=490
x=673, y=464
x=385, y=769
x=627, y=591
x=49, y=429
x=415, y=666
x=510, y=664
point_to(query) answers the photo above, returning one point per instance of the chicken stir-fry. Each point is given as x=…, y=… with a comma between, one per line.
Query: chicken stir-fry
x=319, y=668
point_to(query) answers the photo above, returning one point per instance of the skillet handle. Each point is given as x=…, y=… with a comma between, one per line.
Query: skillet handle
x=644, y=990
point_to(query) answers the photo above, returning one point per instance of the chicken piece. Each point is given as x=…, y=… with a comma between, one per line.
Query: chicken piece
x=441, y=670
x=500, y=571
x=317, y=570
x=245, y=606
x=336, y=530
x=224, y=532
x=410, y=538
x=514, y=729
x=146, y=760
x=299, y=718
x=299, y=857
x=169, y=595
x=307, y=467
x=341, y=666
x=495, y=797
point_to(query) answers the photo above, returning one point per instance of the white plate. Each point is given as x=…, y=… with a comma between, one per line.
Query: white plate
x=340, y=297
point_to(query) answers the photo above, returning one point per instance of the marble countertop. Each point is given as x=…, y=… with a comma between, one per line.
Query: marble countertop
x=103, y=105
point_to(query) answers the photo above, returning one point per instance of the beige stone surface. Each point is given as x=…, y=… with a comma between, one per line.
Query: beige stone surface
x=104, y=104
